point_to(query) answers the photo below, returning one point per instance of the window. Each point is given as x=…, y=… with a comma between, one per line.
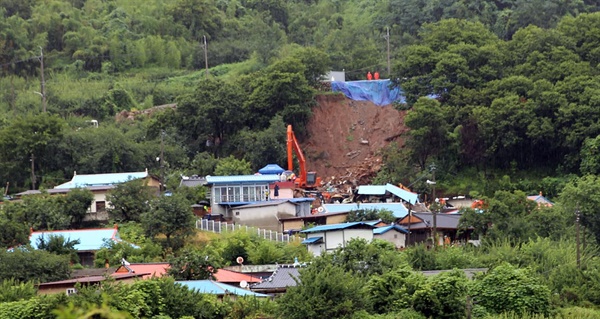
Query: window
x=71, y=291
x=100, y=206
x=237, y=213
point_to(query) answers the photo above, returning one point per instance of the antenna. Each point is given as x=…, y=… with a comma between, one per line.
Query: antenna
x=240, y=260
x=243, y=284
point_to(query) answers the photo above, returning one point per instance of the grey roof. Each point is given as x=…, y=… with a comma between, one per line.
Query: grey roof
x=193, y=181
x=448, y=221
x=470, y=272
x=281, y=278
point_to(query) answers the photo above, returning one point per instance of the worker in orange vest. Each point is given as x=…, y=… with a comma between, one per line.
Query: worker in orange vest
x=376, y=75
x=369, y=76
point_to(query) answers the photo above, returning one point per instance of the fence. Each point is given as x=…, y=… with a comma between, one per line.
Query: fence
x=222, y=227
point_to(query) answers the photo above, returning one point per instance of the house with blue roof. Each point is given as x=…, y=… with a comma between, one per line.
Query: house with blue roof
x=99, y=185
x=255, y=200
x=326, y=238
x=394, y=234
x=90, y=240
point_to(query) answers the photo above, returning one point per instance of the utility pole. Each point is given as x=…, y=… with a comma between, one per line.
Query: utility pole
x=162, y=166
x=206, y=56
x=43, y=84
x=435, y=208
x=32, y=172
x=577, y=215
x=409, y=222
x=387, y=37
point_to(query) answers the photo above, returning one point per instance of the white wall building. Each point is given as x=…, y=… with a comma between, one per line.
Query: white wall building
x=326, y=238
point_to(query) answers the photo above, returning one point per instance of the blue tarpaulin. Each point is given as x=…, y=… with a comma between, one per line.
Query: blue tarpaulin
x=377, y=91
x=271, y=169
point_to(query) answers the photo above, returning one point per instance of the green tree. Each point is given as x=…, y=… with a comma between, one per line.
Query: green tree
x=14, y=232
x=59, y=245
x=76, y=204
x=232, y=166
x=360, y=215
x=128, y=201
x=589, y=156
x=582, y=195
x=394, y=290
x=429, y=130
x=23, y=265
x=323, y=291
x=170, y=216
x=508, y=289
x=443, y=295
x=195, y=264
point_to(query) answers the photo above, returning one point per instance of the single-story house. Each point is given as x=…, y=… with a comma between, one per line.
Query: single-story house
x=326, y=238
x=90, y=240
x=296, y=224
x=235, y=278
x=283, y=277
x=228, y=192
x=420, y=228
x=99, y=185
x=219, y=289
x=267, y=214
x=192, y=181
x=541, y=200
x=68, y=286
x=394, y=234
x=151, y=269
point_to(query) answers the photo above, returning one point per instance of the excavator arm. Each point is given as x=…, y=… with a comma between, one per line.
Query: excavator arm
x=305, y=179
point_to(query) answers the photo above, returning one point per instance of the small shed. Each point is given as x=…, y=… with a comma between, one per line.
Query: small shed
x=392, y=233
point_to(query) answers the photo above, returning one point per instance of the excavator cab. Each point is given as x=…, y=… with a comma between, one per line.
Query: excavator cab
x=311, y=178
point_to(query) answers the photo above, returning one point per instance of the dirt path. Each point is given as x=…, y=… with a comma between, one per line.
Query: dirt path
x=346, y=136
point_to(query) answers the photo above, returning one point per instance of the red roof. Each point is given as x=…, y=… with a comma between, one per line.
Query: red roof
x=150, y=269
x=224, y=275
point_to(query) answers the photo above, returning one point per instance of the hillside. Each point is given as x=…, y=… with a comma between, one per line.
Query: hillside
x=346, y=136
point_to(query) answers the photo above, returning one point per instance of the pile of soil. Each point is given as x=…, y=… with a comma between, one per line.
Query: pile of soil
x=346, y=136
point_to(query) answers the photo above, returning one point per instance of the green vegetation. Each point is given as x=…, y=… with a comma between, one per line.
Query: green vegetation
x=515, y=113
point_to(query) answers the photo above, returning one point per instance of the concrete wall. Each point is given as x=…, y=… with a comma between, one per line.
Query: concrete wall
x=292, y=224
x=334, y=239
x=393, y=236
x=265, y=217
x=317, y=249
x=366, y=234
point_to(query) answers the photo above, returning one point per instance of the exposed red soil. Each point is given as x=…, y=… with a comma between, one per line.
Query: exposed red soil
x=346, y=136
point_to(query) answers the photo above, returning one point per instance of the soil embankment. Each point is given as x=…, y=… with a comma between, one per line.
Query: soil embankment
x=345, y=138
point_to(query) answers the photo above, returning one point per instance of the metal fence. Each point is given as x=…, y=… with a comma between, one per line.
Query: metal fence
x=223, y=227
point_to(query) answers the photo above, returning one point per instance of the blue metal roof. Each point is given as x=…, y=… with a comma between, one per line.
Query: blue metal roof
x=312, y=240
x=398, y=209
x=89, y=239
x=239, y=179
x=87, y=180
x=410, y=197
x=385, y=229
x=217, y=288
x=335, y=227
x=271, y=169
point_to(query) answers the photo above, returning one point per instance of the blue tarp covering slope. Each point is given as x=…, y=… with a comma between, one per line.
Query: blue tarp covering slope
x=376, y=91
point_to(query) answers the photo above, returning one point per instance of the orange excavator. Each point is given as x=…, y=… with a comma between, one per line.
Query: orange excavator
x=306, y=180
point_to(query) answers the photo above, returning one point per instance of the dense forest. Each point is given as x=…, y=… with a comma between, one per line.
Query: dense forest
x=515, y=82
